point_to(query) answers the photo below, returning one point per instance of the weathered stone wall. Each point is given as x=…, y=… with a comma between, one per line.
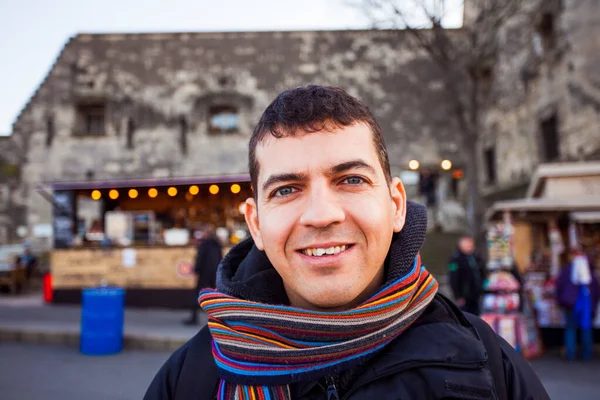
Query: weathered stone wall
x=12, y=203
x=158, y=79
x=532, y=82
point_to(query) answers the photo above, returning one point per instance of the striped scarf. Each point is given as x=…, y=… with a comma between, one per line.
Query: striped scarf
x=260, y=348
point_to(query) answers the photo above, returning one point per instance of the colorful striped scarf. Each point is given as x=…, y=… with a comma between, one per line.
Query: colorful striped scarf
x=260, y=349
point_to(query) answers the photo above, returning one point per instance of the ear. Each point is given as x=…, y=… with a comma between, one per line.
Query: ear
x=398, y=196
x=251, y=215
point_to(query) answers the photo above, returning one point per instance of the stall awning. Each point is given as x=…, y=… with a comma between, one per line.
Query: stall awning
x=591, y=203
x=560, y=170
x=586, y=217
x=150, y=182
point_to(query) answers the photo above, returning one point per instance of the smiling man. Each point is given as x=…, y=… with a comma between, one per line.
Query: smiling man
x=328, y=299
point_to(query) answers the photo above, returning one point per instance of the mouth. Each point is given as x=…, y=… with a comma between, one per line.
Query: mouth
x=319, y=252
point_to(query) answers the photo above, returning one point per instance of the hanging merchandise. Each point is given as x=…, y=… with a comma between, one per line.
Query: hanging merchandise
x=502, y=299
x=499, y=240
x=557, y=246
x=573, y=241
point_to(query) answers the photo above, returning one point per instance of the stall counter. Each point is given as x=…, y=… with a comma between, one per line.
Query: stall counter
x=151, y=276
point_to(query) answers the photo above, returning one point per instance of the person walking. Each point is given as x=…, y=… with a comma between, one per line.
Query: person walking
x=577, y=292
x=208, y=256
x=466, y=275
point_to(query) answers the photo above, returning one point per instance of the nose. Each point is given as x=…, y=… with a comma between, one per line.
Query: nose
x=323, y=209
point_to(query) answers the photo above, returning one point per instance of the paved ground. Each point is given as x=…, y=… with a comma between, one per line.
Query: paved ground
x=41, y=372
x=37, y=372
x=575, y=380
x=26, y=318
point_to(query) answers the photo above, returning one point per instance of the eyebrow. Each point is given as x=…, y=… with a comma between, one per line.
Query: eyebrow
x=335, y=170
x=349, y=165
x=280, y=178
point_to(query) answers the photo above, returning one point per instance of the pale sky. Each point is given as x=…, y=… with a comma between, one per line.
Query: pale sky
x=32, y=32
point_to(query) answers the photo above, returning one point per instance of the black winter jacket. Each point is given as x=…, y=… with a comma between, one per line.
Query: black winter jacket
x=441, y=356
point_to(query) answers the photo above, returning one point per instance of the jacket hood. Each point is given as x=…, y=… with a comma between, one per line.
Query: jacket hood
x=247, y=273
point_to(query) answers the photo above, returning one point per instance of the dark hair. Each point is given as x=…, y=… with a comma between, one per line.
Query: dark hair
x=311, y=109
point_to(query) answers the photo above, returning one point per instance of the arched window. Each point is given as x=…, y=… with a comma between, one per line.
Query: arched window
x=223, y=119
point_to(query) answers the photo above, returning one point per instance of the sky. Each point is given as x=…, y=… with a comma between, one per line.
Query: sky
x=32, y=32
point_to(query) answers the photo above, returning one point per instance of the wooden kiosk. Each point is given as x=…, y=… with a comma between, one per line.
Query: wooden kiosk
x=561, y=212
x=140, y=235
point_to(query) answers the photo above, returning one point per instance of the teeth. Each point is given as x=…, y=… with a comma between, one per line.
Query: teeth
x=318, y=252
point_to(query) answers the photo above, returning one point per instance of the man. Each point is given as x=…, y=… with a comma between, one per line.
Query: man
x=208, y=256
x=328, y=298
x=466, y=273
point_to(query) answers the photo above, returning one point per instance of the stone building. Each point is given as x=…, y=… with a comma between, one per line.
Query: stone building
x=156, y=105
x=124, y=106
x=547, y=83
x=12, y=210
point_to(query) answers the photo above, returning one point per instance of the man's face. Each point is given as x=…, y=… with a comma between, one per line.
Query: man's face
x=325, y=192
x=467, y=245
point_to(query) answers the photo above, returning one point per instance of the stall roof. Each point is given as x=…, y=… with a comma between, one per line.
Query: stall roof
x=586, y=217
x=560, y=170
x=544, y=205
x=112, y=184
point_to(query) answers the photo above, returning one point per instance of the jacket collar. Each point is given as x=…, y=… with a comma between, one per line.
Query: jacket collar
x=421, y=346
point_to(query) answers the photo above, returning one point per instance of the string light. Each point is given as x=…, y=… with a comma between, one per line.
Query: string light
x=133, y=193
x=172, y=191
x=96, y=195
x=152, y=193
x=235, y=188
x=213, y=189
x=194, y=190
x=113, y=194
x=413, y=164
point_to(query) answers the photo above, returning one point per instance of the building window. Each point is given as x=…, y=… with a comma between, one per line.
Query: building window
x=490, y=165
x=550, y=139
x=223, y=119
x=91, y=119
x=485, y=77
x=183, y=130
x=130, y=133
x=547, y=31
x=49, y=131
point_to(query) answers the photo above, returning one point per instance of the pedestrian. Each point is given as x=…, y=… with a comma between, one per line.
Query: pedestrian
x=466, y=275
x=208, y=256
x=328, y=298
x=28, y=261
x=577, y=292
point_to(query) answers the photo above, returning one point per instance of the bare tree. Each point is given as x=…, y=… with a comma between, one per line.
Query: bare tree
x=465, y=58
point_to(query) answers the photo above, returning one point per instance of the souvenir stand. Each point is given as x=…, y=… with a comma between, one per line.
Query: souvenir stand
x=560, y=213
x=504, y=308
x=140, y=235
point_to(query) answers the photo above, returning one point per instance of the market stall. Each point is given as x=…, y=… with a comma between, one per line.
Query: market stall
x=560, y=214
x=140, y=235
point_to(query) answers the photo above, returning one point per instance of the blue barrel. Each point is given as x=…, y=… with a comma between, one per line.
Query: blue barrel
x=102, y=315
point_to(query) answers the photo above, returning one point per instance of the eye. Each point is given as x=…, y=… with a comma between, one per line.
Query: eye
x=354, y=180
x=283, y=191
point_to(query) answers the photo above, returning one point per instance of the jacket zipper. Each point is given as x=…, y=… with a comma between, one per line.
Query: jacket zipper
x=332, y=393
x=405, y=367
